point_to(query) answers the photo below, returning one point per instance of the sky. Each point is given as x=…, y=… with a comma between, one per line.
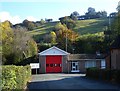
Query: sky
x=34, y=10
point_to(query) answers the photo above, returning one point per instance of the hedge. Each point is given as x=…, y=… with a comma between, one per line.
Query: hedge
x=104, y=74
x=15, y=77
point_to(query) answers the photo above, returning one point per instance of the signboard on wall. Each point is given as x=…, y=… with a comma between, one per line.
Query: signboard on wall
x=34, y=65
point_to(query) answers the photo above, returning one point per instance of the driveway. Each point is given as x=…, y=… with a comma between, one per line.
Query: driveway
x=69, y=81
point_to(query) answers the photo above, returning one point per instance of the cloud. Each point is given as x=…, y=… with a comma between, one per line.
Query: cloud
x=14, y=19
x=6, y=16
x=31, y=18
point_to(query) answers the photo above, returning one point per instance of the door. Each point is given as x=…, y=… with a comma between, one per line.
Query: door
x=74, y=67
x=53, y=64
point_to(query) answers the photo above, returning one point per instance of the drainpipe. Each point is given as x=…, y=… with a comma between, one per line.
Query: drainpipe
x=68, y=63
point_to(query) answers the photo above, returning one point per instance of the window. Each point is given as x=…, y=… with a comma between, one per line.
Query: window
x=60, y=65
x=47, y=65
x=74, y=67
x=73, y=64
x=55, y=65
x=89, y=64
x=51, y=65
x=103, y=64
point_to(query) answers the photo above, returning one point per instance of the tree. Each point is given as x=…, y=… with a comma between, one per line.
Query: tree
x=42, y=21
x=59, y=26
x=28, y=24
x=116, y=24
x=118, y=7
x=74, y=15
x=62, y=32
x=90, y=43
x=68, y=22
x=53, y=37
x=50, y=37
x=104, y=13
x=91, y=13
x=47, y=38
x=23, y=46
x=16, y=44
x=7, y=39
x=101, y=14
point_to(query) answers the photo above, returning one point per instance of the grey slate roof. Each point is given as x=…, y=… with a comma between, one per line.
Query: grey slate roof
x=85, y=57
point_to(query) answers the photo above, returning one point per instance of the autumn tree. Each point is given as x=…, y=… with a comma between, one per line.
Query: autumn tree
x=29, y=24
x=50, y=37
x=53, y=37
x=68, y=22
x=16, y=44
x=62, y=33
x=7, y=40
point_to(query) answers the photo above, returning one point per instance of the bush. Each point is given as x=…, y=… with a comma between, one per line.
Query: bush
x=104, y=74
x=15, y=77
x=93, y=72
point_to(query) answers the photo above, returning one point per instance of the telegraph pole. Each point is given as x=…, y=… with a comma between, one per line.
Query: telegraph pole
x=66, y=41
x=66, y=34
x=109, y=38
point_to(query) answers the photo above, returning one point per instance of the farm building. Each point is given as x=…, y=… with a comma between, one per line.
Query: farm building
x=55, y=60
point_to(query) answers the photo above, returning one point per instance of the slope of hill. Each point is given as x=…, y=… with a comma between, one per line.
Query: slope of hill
x=90, y=26
x=82, y=26
x=43, y=29
x=39, y=32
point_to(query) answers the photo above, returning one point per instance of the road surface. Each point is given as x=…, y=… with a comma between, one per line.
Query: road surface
x=69, y=81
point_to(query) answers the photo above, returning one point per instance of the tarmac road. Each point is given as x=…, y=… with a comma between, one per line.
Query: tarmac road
x=69, y=82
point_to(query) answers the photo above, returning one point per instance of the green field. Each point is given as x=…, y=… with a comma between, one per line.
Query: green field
x=43, y=29
x=82, y=27
x=91, y=26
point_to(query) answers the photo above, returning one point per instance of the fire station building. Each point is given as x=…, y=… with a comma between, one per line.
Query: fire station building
x=55, y=60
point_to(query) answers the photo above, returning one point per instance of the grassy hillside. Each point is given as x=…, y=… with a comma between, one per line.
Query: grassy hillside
x=43, y=29
x=39, y=32
x=91, y=26
x=82, y=27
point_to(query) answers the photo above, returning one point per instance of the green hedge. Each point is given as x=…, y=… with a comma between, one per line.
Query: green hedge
x=104, y=74
x=15, y=77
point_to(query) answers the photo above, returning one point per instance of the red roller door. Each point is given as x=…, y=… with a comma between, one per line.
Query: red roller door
x=53, y=64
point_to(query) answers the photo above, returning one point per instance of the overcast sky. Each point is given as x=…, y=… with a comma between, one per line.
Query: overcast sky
x=18, y=10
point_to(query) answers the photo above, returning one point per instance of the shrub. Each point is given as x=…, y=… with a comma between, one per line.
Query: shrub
x=92, y=72
x=15, y=77
x=8, y=78
x=104, y=74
